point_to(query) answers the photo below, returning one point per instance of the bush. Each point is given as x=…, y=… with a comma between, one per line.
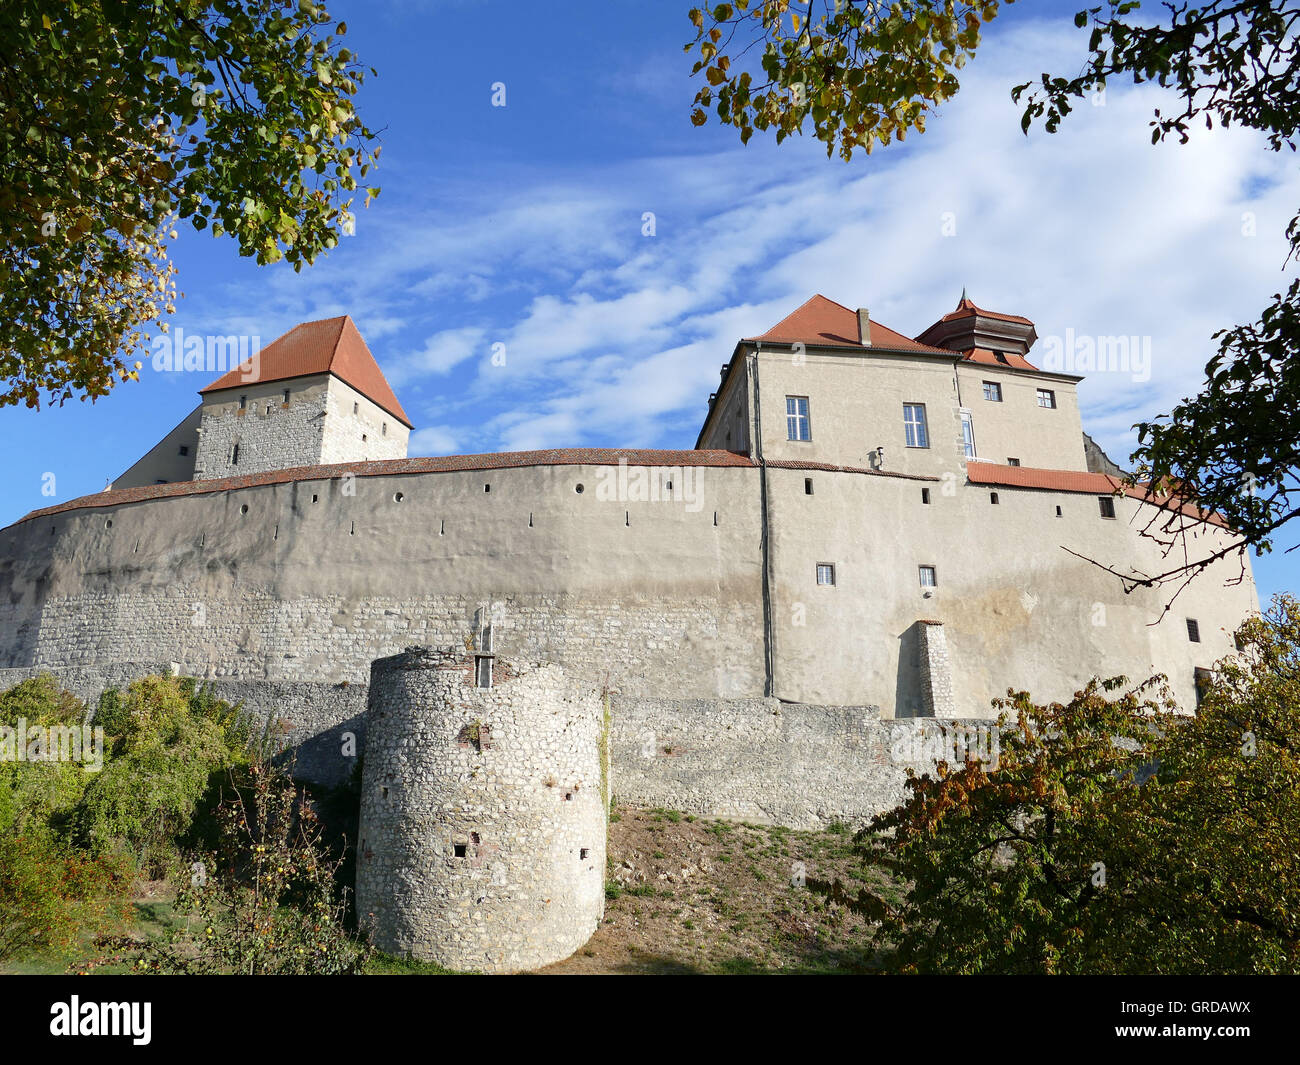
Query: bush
x=1113, y=836
x=267, y=900
x=50, y=898
x=169, y=744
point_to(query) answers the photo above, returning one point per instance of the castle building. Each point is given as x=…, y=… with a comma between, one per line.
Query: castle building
x=873, y=531
x=314, y=397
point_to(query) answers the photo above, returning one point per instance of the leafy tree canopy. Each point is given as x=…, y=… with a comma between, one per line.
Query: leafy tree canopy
x=1112, y=835
x=120, y=120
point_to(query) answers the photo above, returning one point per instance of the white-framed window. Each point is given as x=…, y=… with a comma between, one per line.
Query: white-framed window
x=797, y=426
x=1047, y=398
x=826, y=573
x=967, y=435
x=993, y=391
x=928, y=576
x=914, y=428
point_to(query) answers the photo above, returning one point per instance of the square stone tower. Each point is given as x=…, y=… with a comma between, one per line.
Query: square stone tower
x=314, y=397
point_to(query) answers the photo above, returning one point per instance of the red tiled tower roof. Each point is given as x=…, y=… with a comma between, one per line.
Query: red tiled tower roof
x=829, y=324
x=331, y=345
x=966, y=309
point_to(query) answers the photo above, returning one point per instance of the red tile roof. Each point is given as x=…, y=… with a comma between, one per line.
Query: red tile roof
x=829, y=324
x=987, y=358
x=332, y=345
x=578, y=456
x=788, y=464
x=1079, y=481
x=966, y=309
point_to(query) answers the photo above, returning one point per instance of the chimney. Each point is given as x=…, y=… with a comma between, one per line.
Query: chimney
x=864, y=327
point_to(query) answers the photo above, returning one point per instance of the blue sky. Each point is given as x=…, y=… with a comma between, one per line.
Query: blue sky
x=522, y=226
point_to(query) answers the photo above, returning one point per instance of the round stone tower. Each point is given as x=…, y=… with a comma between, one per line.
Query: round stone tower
x=484, y=810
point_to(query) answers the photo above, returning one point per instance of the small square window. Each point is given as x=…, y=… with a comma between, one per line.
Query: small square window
x=1013, y=462
x=1193, y=630
x=929, y=579
x=825, y=573
x=1047, y=398
x=459, y=850
x=993, y=498
x=1107, y=506
x=993, y=391
x=185, y=449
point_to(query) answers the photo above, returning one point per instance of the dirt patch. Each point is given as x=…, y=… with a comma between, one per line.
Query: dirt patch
x=692, y=895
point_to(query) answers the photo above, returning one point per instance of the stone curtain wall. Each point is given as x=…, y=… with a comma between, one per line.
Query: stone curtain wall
x=333, y=638
x=483, y=813
x=759, y=760
x=313, y=580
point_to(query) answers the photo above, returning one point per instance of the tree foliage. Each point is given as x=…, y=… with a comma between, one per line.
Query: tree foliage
x=861, y=73
x=1113, y=835
x=124, y=118
x=866, y=72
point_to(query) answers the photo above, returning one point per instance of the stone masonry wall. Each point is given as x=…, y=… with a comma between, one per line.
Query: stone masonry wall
x=483, y=813
x=759, y=760
x=271, y=434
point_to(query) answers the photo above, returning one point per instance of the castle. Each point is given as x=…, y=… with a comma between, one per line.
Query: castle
x=874, y=534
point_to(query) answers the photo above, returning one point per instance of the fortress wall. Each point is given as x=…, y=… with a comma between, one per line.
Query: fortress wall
x=1018, y=608
x=757, y=759
x=311, y=581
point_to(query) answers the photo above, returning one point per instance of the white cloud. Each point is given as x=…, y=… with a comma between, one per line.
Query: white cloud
x=434, y=440
x=616, y=338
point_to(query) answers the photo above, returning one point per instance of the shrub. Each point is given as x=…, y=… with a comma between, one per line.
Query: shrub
x=267, y=900
x=169, y=742
x=50, y=898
